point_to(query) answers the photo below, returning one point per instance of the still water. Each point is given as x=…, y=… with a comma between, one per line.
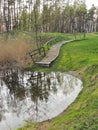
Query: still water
x=34, y=96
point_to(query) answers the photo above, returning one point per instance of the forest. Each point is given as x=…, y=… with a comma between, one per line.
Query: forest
x=47, y=16
x=48, y=65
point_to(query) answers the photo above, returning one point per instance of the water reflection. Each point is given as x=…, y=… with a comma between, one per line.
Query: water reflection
x=35, y=96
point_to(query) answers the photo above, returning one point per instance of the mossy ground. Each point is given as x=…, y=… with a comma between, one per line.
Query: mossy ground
x=81, y=57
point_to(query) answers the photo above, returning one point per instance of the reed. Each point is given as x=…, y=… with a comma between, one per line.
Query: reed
x=15, y=53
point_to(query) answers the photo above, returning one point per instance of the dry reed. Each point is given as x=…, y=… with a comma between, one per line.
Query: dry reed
x=15, y=53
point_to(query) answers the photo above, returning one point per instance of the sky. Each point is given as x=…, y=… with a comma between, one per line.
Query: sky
x=90, y=2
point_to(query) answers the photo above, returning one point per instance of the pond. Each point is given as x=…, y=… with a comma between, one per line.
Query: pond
x=34, y=96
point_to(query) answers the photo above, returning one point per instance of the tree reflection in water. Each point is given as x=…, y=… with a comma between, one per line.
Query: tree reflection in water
x=36, y=86
x=34, y=95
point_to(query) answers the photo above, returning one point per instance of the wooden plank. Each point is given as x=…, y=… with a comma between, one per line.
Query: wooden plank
x=52, y=54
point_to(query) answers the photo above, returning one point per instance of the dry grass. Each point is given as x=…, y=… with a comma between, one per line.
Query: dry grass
x=14, y=53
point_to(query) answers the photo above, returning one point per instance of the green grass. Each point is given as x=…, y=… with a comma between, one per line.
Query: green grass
x=95, y=32
x=82, y=58
x=77, y=55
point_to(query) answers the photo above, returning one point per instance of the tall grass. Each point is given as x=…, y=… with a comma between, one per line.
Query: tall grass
x=14, y=53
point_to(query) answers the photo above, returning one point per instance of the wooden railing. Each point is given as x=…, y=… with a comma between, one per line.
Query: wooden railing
x=37, y=54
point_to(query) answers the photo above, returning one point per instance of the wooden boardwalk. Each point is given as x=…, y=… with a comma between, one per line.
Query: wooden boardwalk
x=52, y=54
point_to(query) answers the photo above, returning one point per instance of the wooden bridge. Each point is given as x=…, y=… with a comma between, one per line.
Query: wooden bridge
x=52, y=54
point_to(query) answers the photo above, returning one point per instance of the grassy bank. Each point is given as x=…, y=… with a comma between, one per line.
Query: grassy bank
x=82, y=59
